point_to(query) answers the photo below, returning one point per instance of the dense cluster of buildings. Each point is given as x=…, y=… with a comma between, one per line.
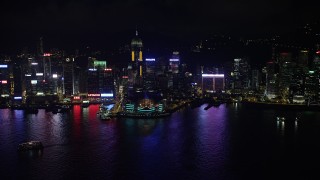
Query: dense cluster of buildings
x=149, y=84
x=284, y=79
x=53, y=77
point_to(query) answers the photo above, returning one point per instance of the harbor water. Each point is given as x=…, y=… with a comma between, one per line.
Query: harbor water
x=226, y=142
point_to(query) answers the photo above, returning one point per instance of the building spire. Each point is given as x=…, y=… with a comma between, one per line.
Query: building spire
x=136, y=31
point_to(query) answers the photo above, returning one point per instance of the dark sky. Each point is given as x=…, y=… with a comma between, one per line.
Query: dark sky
x=72, y=22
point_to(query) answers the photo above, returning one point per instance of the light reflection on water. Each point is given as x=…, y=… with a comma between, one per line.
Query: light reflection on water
x=225, y=142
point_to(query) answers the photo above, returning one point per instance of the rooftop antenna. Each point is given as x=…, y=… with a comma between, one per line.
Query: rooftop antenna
x=136, y=31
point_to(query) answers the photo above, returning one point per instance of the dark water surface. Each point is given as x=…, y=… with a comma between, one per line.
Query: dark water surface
x=228, y=142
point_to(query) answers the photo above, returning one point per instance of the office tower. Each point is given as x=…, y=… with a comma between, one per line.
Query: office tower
x=255, y=82
x=149, y=81
x=173, y=70
x=68, y=77
x=100, y=81
x=303, y=58
x=5, y=84
x=286, y=67
x=316, y=68
x=107, y=91
x=272, y=80
x=240, y=77
x=212, y=83
x=17, y=83
x=135, y=68
x=311, y=87
x=174, y=63
x=35, y=83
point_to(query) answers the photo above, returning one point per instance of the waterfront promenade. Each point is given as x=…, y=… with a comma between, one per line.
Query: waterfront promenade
x=281, y=106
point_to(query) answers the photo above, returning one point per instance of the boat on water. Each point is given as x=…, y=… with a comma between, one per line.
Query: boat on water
x=85, y=104
x=104, y=113
x=105, y=116
x=30, y=145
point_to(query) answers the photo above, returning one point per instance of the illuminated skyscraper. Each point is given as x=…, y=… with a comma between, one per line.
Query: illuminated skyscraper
x=174, y=63
x=68, y=77
x=35, y=83
x=173, y=70
x=240, y=77
x=4, y=83
x=272, y=80
x=316, y=68
x=303, y=58
x=135, y=68
x=17, y=82
x=136, y=48
x=149, y=81
x=212, y=83
x=255, y=82
x=285, y=73
x=311, y=87
x=100, y=81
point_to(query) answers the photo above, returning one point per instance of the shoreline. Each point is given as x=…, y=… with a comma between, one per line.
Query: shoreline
x=140, y=115
x=282, y=106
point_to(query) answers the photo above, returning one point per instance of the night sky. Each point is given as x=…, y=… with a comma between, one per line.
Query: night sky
x=65, y=23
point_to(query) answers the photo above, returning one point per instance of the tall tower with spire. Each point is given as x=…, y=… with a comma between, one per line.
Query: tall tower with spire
x=136, y=61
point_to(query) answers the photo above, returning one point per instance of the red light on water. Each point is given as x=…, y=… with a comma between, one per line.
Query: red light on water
x=47, y=54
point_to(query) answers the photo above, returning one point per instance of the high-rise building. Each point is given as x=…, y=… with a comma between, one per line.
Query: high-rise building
x=240, y=76
x=5, y=83
x=149, y=81
x=303, y=58
x=17, y=83
x=68, y=77
x=286, y=67
x=255, y=82
x=174, y=63
x=311, y=87
x=35, y=82
x=212, y=83
x=316, y=68
x=135, y=68
x=272, y=80
x=100, y=81
x=173, y=71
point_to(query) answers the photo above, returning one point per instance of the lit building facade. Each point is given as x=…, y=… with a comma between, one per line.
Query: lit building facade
x=136, y=66
x=311, y=87
x=316, y=68
x=149, y=81
x=5, y=83
x=213, y=83
x=100, y=82
x=68, y=77
x=240, y=76
x=272, y=80
x=286, y=67
x=255, y=82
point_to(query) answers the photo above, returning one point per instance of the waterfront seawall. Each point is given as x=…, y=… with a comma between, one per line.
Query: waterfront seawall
x=282, y=106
